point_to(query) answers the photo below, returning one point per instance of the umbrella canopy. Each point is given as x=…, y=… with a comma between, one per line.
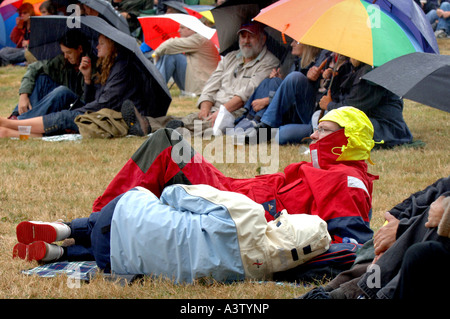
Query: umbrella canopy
x=413, y=18
x=158, y=29
x=421, y=77
x=354, y=28
x=229, y=17
x=108, y=13
x=9, y=7
x=177, y=5
x=6, y=26
x=44, y=45
x=200, y=11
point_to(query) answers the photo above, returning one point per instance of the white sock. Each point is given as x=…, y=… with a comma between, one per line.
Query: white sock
x=52, y=252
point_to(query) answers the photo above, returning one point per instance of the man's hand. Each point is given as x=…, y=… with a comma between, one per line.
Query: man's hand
x=275, y=73
x=325, y=100
x=435, y=213
x=24, y=104
x=314, y=73
x=259, y=104
x=386, y=235
x=205, y=110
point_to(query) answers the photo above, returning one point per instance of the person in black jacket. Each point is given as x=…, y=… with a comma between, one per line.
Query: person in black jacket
x=109, y=88
x=384, y=109
x=410, y=223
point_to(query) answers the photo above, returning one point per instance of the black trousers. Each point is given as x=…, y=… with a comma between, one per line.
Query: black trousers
x=425, y=272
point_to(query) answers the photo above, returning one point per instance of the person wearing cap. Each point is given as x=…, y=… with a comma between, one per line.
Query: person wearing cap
x=335, y=185
x=237, y=75
x=189, y=60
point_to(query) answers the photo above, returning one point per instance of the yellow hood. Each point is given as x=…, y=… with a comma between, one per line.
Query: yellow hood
x=358, y=130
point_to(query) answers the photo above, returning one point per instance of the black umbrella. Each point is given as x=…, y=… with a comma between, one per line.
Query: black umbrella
x=177, y=5
x=420, y=77
x=44, y=44
x=108, y=12
x=228, y=18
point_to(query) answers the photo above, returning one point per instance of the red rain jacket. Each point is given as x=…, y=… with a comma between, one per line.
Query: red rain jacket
x=339, y=192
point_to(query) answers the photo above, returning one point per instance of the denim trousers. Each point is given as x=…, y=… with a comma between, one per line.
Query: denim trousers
x=173, y=65
x=293, y=102
x=443, y=24
x=267, y=88
x=10, y=55
x=92, y=237
x=47, y=97
x=293, y=133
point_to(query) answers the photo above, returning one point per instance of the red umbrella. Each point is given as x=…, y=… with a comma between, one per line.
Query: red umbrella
x=159, y=28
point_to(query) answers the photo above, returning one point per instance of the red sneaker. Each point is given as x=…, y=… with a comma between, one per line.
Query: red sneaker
x=35, y=251
x=38, y=250
x=28, y=232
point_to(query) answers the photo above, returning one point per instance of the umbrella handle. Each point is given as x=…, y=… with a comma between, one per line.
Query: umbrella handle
x=322, y=65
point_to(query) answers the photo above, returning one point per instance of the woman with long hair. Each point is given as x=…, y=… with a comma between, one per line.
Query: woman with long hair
x=109, y=88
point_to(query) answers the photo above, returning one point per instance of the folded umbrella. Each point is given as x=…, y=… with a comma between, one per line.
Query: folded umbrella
x=45, y=45
x=420, y=77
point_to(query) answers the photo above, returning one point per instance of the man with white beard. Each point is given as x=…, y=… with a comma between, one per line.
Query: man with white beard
x=236, y=77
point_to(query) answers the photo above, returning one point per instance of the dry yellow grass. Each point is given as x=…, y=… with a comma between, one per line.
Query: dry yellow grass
x=50, y=180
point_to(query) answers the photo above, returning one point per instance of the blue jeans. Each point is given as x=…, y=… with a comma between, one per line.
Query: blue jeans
x=293, y=102
x=92, y=237
x=47, y=97
x=267, y=88
x=173, y=65
x=443, y=24
x=10, y=55
x=293, y=133
x=62, y=122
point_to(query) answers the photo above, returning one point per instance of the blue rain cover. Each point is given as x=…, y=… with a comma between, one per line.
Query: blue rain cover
x=180, y=236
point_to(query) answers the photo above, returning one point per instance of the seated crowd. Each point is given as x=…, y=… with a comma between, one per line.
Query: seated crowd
x=310, y=95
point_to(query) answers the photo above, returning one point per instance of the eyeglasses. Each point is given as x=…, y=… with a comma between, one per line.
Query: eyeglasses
x=322, y=130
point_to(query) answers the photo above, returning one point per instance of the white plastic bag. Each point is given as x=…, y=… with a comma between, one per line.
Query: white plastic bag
x=223, y=121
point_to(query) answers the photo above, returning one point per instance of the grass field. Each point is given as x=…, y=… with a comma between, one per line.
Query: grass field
x=42, y=180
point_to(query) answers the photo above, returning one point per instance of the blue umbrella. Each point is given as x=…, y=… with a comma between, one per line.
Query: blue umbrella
x=411, y=16
x=7, y=23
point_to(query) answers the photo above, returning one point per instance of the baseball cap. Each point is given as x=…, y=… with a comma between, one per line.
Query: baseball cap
x=252, y=27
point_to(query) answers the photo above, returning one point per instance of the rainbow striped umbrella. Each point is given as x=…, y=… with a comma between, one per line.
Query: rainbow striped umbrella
x=354, y=28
